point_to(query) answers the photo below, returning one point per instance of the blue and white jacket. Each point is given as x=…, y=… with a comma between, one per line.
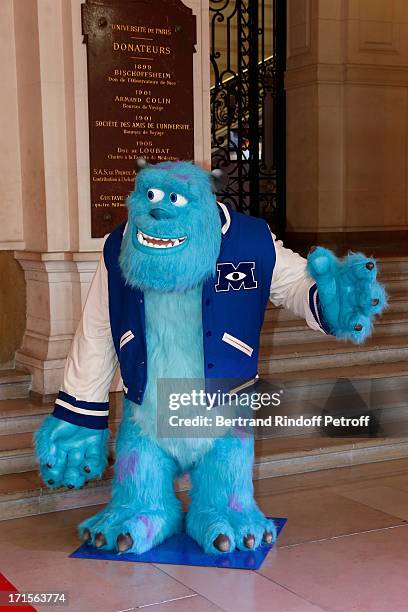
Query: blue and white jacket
x=252, y=267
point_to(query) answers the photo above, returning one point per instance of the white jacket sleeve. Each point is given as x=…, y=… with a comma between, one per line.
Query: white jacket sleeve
x=91, y=363
x=292, y=287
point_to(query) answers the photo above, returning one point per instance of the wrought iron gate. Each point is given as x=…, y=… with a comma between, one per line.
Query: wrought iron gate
x=248, y=53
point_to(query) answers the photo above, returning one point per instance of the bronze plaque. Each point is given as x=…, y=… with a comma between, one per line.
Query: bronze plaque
x=140, y=95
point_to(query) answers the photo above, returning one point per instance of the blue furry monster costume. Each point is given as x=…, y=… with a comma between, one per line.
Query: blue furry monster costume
x=180, y=292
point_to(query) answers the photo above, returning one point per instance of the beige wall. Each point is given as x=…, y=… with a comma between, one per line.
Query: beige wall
x=11, y=215
x=347, y=109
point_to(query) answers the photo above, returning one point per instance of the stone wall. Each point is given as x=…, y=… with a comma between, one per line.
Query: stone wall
x=347, y=117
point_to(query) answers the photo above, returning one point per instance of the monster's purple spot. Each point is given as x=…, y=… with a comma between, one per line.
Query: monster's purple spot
x=241, y=433
x=126, y=465
x=148, y=525
x=234, y=503
x=183, y=177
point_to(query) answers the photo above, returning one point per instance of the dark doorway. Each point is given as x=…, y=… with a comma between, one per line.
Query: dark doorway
x=248, y=56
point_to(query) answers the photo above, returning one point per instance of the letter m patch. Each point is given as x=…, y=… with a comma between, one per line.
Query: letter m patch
x=236, y=277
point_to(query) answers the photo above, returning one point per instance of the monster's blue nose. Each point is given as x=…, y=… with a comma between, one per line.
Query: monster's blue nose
x=160, y=213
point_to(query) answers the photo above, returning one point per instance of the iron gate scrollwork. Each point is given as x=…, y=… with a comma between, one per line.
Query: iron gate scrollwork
x=248, y=53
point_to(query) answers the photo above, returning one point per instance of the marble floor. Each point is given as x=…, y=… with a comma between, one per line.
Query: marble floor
x=344, y=549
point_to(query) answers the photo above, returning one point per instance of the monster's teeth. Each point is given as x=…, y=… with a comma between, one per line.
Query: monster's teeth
x=158, y=243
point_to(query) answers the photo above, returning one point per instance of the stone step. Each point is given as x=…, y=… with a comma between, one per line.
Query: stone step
x=296, y=331
x=14, y=384
x=392, y=264
x=329, y=354
x=380, y=392
x=393, y=275
x=398, y=302
x=17, y=451
x=391, y=371
x=22, y=415
x=24, y=494
x=395, y=283
x=383, y=389
x=26, y=415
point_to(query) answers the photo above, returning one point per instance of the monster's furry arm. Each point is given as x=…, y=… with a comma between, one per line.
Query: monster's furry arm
x=71, y=444
x=293, y=288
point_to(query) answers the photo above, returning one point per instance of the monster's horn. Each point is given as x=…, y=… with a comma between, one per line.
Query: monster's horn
x=141, y=163
x=218, y=179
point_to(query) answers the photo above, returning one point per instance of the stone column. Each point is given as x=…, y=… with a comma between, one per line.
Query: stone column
x=52, y=294
x=347, y=121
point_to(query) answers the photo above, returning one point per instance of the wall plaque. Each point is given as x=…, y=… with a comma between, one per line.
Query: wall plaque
x=140, y=95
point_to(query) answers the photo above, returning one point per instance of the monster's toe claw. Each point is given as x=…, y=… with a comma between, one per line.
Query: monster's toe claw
x=267, y=537
x=222, y=543
x=358, y=327
x=369, y=265
x=249, y=540
x=100, y=540
x=86, y=535
x=124, y=542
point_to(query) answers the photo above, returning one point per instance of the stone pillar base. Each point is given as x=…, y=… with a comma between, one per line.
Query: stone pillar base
x=57, y=285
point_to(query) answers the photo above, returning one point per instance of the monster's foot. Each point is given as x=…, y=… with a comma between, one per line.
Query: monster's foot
x=124, y=529
x=219, y=530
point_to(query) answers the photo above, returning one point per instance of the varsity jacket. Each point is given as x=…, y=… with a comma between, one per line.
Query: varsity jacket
x=252, y=268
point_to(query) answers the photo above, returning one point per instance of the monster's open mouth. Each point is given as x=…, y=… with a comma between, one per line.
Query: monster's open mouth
x=159, y=243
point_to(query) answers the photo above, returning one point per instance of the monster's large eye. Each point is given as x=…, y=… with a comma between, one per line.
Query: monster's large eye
x=155, y=195
x=177, y=199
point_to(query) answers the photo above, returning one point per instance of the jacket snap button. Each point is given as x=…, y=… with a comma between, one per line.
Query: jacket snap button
x=210, y=365
x=208, y=334
x=207, y=302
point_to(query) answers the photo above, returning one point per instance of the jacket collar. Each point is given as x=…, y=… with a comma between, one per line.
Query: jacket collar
x=225, y=218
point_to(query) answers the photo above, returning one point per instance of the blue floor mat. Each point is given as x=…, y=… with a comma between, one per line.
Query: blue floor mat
x=180, y=549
